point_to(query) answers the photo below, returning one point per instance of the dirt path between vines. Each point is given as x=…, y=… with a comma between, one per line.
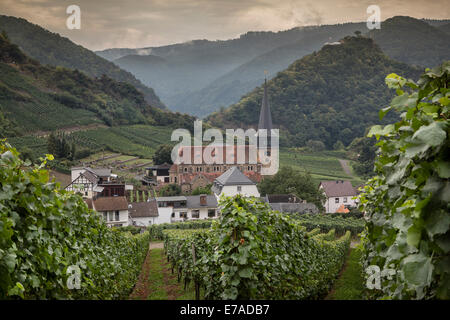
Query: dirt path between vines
x=156, y=267
x=345, y=166
x=156, y=245
x=330, y=294
x=141, y=289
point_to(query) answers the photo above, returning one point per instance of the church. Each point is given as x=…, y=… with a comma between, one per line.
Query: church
x=192, y=176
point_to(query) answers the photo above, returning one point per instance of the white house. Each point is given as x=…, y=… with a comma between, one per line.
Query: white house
x=182, y=208
x=338, y=193
x=233, y=182
x=143, y=214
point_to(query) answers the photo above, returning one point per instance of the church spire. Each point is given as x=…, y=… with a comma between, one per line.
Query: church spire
x=265, y=118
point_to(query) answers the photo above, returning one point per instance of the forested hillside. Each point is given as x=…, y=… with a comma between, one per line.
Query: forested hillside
x=230, y=87
x=34, y=98
x=200, y=76
x=52, y=49
x=445, y=28
x=413, y=41
x=331, y=95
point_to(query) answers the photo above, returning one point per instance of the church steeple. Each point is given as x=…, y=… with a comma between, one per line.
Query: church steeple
x=265, y=118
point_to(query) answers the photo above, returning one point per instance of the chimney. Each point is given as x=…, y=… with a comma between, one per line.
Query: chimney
x=203, y=199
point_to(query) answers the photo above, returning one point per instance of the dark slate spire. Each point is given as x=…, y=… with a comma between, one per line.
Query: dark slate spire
x=265, y=118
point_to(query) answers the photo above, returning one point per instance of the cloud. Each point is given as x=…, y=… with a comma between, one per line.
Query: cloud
x=137, y=23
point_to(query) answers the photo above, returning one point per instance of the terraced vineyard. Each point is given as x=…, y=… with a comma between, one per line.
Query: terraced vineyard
x=37, y=145
x=137, y=140
x=34, y=109
x=323, y=165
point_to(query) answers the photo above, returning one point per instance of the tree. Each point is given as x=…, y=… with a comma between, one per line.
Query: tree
x=288, y=180
x=163, y=154
x=407, y=202
x=363, y=151
x=315, y=145
x=338, y=145
x=58, y=146
x=170, y=190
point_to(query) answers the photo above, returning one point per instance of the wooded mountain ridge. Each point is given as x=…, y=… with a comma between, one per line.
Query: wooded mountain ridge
x=329, y=96
x=201, y=76
x=51, y=49
x=34, y=97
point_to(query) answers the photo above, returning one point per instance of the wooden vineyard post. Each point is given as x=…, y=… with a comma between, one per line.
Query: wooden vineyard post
x=196, y=284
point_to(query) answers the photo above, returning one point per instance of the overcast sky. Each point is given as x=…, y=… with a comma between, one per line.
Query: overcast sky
x=144, y=23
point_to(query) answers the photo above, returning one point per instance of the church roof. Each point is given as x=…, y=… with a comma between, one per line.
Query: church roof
x=234, y=176
x=265, y=118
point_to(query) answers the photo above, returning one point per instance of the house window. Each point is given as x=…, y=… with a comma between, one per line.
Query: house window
x=117, y=215
x=105, y=216
x=183, y=215
x=173, y=215
x=239, y=188
x=211, y=213
x=111, y=216
x=336, y=200
x=195, y=213
x=345, y=199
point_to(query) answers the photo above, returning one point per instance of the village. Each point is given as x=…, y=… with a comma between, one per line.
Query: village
x=123, y=204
